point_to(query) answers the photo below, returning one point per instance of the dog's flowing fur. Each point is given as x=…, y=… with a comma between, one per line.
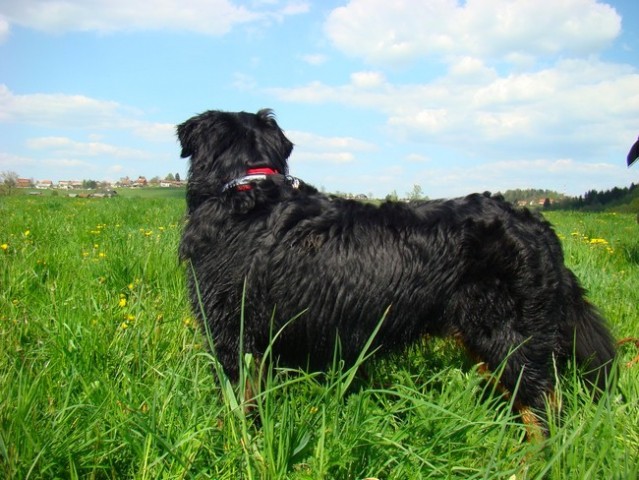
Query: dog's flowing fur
x=475, y=268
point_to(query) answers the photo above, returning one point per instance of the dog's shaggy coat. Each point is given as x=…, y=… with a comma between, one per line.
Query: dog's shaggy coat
x=475, y=268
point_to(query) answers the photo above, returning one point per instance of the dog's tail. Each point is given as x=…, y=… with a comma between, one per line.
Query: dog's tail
x=592, y=342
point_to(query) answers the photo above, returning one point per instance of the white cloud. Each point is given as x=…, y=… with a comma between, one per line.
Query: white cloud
x=564, y=174
x=470, y=70
x=576, y=103
x=78, y=111
x=313, y=141
x=384, y=32
x=4, y=29
x=295, y=8
x=20, y=163
x=13, y=162
x=155, y=132
x=67, y=163
x=243, y=82
x=46, y=109
x=314, y=59
x=211, y=17
x=310, y=147
x=418, y=158
x=324, y=157
x=367, y=79
x=65, y=147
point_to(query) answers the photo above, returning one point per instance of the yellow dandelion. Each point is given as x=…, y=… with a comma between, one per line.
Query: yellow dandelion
x=131, y=286
x=122, y=302
x=27, y=233
x=102, y=255
x=130, y=317
x=124, y=325
x=4, y=247
x=96, y=246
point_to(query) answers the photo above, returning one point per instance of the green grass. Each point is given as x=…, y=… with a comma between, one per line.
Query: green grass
x=105, y=374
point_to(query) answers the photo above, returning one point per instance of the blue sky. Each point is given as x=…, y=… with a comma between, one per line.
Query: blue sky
x=377, y=96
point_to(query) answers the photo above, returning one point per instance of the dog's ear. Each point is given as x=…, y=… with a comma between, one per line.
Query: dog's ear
x=267, y=117
x=185, y=135
x=283, y=146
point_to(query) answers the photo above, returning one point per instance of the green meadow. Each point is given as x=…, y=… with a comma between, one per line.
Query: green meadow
x=104, y=373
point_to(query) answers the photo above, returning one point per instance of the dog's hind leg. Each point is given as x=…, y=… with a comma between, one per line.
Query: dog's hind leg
x=489, y=323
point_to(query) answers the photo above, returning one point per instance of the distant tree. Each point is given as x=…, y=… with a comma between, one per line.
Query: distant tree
x=89, y=184
x=8, y=182
x=416, y=193
x=177, y=177
x=392, y=197
x=169, y=177
x=155, y=180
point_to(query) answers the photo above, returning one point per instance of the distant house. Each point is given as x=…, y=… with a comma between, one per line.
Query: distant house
x=69, y=184
x=140, y=182
x=124, y=182
x=170, y=183
x=43, y=184
x=24, y=183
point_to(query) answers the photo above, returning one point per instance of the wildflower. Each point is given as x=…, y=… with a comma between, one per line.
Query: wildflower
x=27, y=233
x=124, y=325
x=4, y=247
x=130, y=317
x=314, y=410
x=598, y=241
x=102, y=255
x=122, y=302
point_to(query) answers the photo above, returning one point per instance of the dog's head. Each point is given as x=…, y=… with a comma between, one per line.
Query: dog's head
x=226, y=145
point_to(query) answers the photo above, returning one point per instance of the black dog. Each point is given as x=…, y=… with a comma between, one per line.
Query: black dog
x=474, y=268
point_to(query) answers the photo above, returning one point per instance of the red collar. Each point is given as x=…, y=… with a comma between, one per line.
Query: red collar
x=262, y=171
x=243, y=184
x=255, y=174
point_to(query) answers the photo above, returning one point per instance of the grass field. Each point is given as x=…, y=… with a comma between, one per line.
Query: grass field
x=105, y=374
